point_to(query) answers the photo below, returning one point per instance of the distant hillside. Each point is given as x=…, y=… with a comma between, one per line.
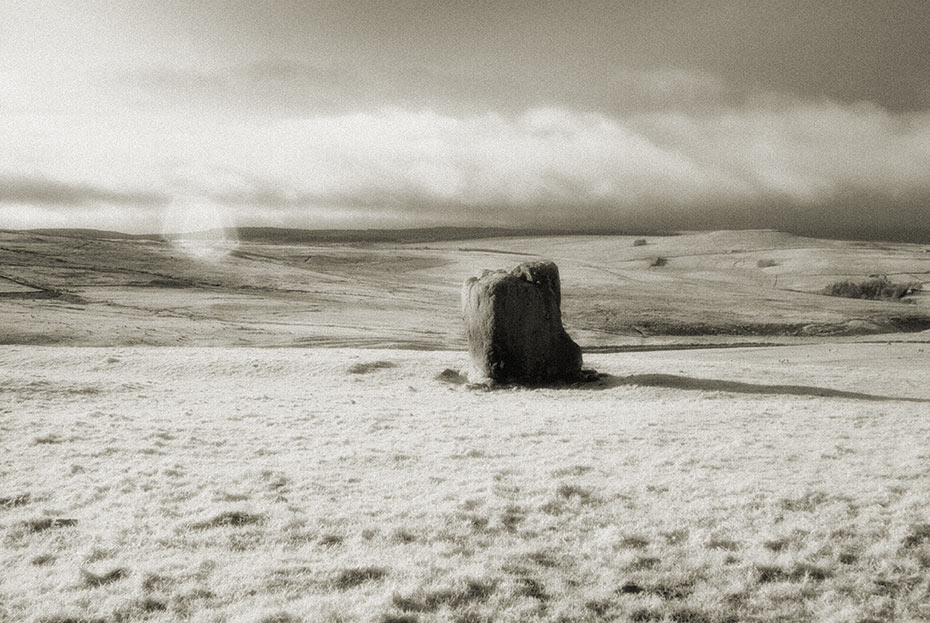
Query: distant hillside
x=94, y=234
x=401, y=288
x=283, y=235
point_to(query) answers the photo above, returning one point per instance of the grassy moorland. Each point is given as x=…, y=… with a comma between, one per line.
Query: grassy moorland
x=338, y=485
x=305, y=289
x=156, y=466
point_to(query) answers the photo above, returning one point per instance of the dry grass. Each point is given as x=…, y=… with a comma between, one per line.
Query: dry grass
x=350, y=578
x=288, y=491
x=90, y=580
x=370, y=366
x=13, y=501
x=47, y=523
x=228, y=518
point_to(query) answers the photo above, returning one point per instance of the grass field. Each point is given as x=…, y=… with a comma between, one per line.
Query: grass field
x=711, y=287
x=281, y=485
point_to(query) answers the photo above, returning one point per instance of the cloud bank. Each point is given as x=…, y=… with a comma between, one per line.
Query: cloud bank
x=817, y=166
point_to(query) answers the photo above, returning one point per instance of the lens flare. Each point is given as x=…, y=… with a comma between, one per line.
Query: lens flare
x=202, y=232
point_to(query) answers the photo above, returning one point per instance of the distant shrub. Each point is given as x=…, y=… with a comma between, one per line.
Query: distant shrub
x=766, y=263
x=876, y=288
x=639, y=242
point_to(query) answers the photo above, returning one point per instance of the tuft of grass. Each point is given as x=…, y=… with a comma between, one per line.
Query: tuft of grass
x=808, y=571
x=553, y=507
x=568, y=491
x=331, y=540
x=478, y=523
x=671, y=590
x=599, y=607
x=874, y=289
x=641, y=615
x=183, y=604
x=919, y=534
x=644, y=562
x=472, y=590
x=467, y=592
x=356, y=576
x=291, y=579
x=640, y=242
x=689, y=615
x=280, y=617
x=806, y=503
x=529, y=587
x=574, y=470
x=14, y=501
x=634, y=542
x=543, y=559
x=228, y=518
x=50, y=438
x=153, y=582
x=803, y=571
x=370, y=366
x=47, y=523
x=401, y=535
x=776, y=545
x=675, y=537
x=724, y=544
x=91, y=580
x=138, y=608
x=511, y=517
x=412, y=604
x=770, y=573
x=150, y=604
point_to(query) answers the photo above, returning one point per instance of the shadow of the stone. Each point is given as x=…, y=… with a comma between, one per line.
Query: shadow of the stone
x=673, y=381
x=592, y=380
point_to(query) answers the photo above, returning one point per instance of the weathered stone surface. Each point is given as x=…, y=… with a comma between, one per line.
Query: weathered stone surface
x=513, y=322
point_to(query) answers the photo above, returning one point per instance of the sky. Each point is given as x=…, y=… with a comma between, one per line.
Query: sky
x=811, y=117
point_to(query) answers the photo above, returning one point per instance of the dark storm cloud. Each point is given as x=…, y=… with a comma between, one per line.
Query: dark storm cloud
x=538, y=53
x=264, y=87
x=605, y=114
x=25, y=190
x=291, y=88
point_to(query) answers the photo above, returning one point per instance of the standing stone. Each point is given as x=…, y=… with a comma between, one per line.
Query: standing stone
x=513, y=322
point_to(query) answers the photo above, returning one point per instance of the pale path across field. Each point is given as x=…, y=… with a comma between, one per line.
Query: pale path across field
x=224, y=484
